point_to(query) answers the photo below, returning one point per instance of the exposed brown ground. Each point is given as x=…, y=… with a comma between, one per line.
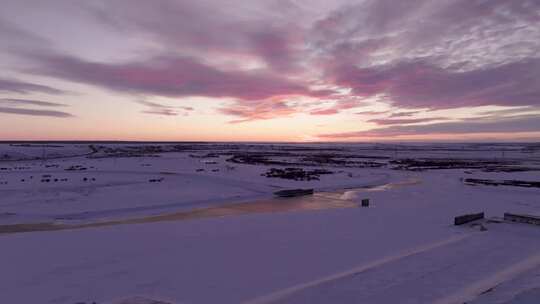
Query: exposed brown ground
x=315, y=202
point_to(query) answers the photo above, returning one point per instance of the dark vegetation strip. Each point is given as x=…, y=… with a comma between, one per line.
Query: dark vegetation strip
x=490, y=182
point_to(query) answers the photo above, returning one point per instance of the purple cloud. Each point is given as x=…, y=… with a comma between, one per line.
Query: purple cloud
x=22, y=87
x=16, y=106
x=418, y=84
x=17, y=102
x=34, y=112
x=14, y=37
x=417, y=54
x=435, y=55
x=163, y=112
x=452, y=31
x=404, y=114
x=200, y=29
x=390, y=121
x=526, y=123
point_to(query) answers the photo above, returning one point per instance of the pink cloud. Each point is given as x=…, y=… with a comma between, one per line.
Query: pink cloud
x=259, y=110
x=457, y=56
x=173, y=77
x=324, y=112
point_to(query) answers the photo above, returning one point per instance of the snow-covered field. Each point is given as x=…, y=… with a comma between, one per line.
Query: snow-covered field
x=198, y=223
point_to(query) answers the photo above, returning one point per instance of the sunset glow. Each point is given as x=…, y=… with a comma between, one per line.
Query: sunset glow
x=279, y=70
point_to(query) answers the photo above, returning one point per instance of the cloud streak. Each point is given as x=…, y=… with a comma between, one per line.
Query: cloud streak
x=17, y=102
x=261, y=110
x=330, y=111
x=23, y=87
x=403, y=121
x=160, y=109
x=34, y=112
x=527, y=123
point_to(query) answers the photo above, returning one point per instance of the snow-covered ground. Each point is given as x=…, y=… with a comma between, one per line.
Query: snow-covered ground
x=197, y=223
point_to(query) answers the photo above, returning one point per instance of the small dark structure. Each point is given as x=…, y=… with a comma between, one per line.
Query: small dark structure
x=365, y=202
x=522, y=218
x=467, y=218
x=293, y=192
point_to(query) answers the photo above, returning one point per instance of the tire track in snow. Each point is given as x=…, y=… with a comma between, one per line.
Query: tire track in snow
x=475, y=289
x=283, y=293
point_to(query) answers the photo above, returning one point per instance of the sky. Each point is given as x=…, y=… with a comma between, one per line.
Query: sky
x=273, y=70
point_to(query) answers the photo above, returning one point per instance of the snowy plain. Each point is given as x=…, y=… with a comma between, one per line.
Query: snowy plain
x=198, y=223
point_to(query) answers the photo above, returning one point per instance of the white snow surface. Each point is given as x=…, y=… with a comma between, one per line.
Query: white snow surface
x=403, y=248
